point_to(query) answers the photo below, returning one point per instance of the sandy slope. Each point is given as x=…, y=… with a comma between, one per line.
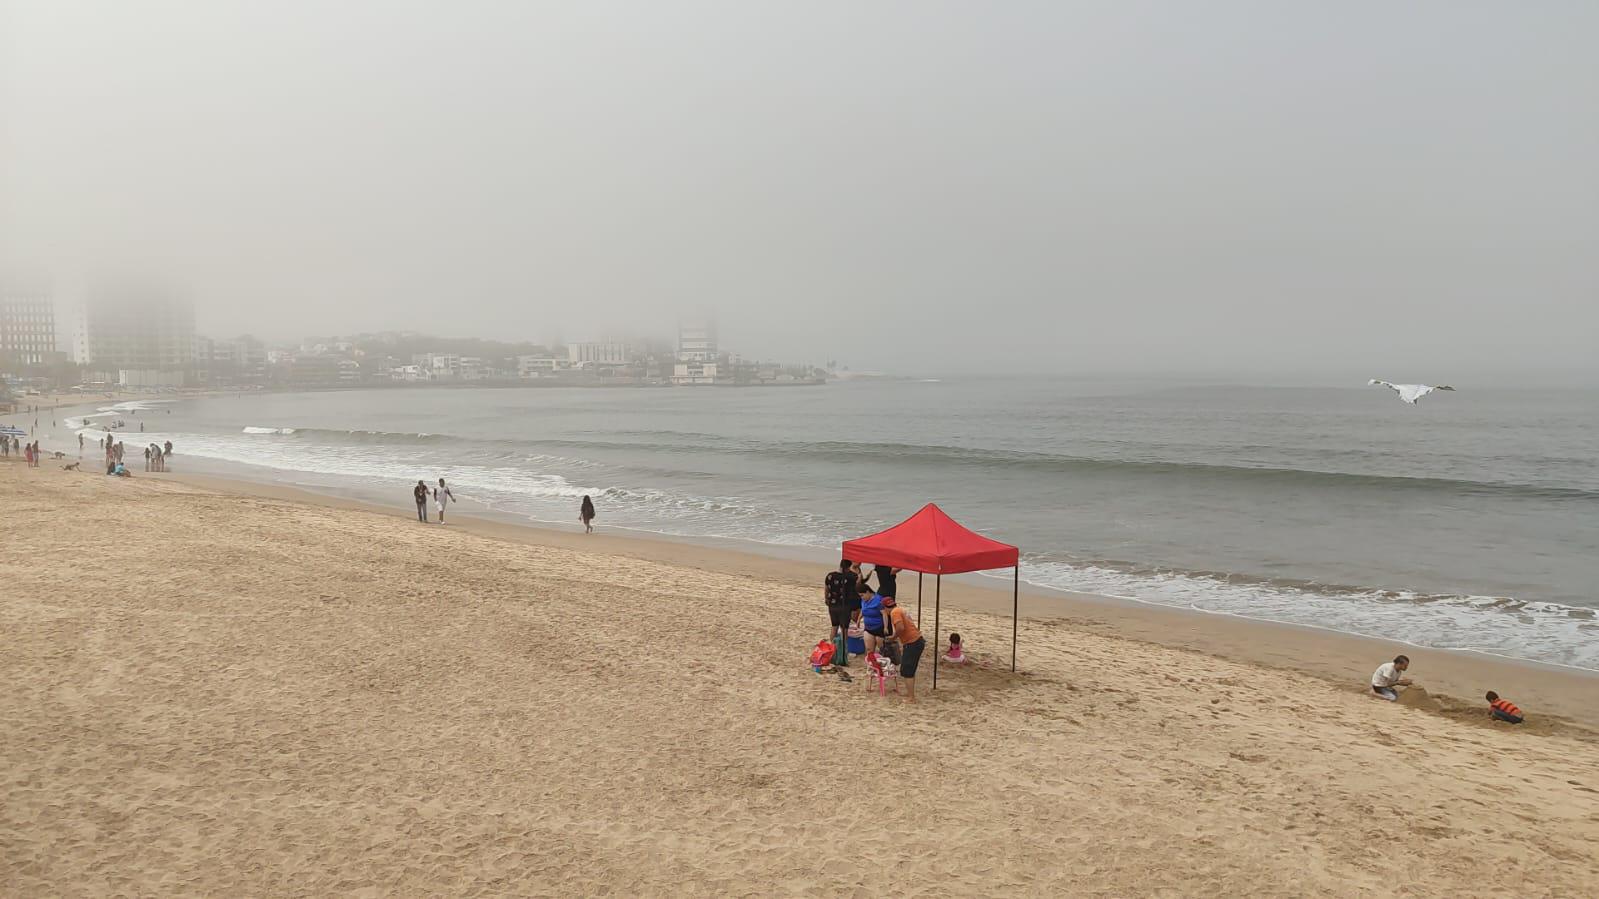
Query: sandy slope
x=209, y=693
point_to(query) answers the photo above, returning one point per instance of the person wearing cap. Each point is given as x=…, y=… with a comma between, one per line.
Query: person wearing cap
x=911, y=643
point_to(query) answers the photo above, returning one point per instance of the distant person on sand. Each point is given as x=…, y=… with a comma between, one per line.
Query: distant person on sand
x=421, y=494
x=1503, y=709
x=911, y=644
x=1389, y=675
x=169, y=447
x=585, y=514
x=147, y=456
x=443, y=497
x=80, y=444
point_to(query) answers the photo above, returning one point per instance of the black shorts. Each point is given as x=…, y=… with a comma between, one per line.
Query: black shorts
x=910, y=657
x=839, y=615
x=879, y=632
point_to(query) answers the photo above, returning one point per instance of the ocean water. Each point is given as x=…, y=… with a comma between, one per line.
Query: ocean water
x=1468, y=521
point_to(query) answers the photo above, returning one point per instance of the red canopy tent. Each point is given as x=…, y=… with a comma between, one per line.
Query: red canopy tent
x=931, y=542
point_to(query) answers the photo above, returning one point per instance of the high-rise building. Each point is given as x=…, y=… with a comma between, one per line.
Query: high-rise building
x=136, y=330
x=603, y=352
x=27, y=327
x=696, y=341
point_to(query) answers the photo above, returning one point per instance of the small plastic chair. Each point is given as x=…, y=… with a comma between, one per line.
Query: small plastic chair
x=879, y=671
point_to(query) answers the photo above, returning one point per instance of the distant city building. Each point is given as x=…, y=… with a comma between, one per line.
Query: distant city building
x=27, y=327
x=696, y=341
x=690, y=373
x=541, y=366
x=136, y=331
x=600, y=353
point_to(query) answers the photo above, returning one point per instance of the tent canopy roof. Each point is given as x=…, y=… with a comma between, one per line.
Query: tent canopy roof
x=933, y=543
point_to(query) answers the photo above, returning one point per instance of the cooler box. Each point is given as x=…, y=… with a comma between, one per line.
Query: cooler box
x=856, y=646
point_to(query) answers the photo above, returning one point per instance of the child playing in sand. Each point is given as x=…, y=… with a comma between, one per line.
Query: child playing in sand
x=956, y=654
x=1503, y=709
x=1389, y=675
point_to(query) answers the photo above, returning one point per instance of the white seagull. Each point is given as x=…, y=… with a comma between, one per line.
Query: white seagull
x=1409, y=392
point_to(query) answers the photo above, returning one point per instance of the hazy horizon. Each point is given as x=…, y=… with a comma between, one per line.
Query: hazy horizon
x=1241, y=188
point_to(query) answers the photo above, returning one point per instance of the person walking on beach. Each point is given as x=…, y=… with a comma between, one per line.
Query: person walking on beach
x=1388, y=676
x=911, y=644
x=421, y=494
x=585, y=514
x=443, y=497
x=147, y=456
x=80, y=445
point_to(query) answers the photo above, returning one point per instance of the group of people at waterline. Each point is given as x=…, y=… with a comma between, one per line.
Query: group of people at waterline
x=442, y=497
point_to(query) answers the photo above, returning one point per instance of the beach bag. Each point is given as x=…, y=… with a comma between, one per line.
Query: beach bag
x=822, y=654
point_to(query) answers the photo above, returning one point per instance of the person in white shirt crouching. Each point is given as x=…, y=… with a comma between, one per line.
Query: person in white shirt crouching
x=1389, y=675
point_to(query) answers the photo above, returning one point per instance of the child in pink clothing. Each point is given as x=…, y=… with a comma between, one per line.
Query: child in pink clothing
x=956, y=654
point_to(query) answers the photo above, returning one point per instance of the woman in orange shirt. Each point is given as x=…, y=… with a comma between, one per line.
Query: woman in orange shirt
x=911, y=644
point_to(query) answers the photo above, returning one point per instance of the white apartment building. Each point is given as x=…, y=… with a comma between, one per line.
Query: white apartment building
x=690, y=373
x=696, y=341
x=541, y=366
x=27, y=327
x=597, y=353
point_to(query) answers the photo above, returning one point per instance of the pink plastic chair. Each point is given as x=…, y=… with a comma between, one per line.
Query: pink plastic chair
x=880, y=670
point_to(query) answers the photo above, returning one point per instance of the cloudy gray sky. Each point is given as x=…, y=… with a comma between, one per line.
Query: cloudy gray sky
x=1406, y=188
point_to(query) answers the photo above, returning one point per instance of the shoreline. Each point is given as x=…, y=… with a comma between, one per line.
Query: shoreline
x=1457, y=678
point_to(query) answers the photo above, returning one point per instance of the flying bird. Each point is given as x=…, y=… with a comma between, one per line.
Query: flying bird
x=1409, y=392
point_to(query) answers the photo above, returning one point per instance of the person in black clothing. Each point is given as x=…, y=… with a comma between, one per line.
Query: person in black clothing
x=421, y=494
x=839, y=592
x=885, y=580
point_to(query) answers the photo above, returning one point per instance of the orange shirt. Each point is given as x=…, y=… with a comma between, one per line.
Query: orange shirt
x=905, y=630
x=1504, y=705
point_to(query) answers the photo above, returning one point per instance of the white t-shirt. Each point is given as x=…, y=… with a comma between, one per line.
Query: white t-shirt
x=443, y=497
x=1386, y=675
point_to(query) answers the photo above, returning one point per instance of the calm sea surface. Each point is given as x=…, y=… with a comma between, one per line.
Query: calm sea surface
x=1470, y=520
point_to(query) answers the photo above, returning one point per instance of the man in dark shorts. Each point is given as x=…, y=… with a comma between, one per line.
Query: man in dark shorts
x=838, y=592
x=911, y=643
x=420, y=492
x=887, y=580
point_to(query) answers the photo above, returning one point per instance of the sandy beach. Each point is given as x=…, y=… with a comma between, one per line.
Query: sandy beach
x=219, y=688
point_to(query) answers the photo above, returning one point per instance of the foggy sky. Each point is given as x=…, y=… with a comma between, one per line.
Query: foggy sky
x=1406, y=190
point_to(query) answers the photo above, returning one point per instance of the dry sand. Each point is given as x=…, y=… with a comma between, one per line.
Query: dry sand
x=239, y=695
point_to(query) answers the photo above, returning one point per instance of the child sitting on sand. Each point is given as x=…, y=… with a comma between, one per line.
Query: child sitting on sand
x=956, y=654
x=1503, y=709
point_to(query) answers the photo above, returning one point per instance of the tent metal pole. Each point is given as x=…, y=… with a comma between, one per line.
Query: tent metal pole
x=1015, y=607
x=938, y=602
x=918, y=599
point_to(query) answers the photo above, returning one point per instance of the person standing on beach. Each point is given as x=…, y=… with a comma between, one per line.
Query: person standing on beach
x=585, y=514
x=886, y=580
x=1388, y=676
x=911, y=644
x=840, y=596
x=443, y=497
x=421, y=494
x=168, y=447
x=147, y=456
x=80, y=445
